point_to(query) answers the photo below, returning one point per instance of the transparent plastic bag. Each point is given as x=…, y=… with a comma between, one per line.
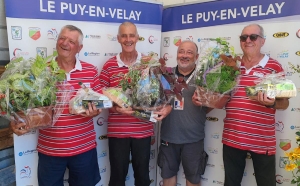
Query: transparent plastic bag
x=29, y=92
x=118, y=97
x=217, y=73
x=79, y=103
x=274, y=85
x=151, y=85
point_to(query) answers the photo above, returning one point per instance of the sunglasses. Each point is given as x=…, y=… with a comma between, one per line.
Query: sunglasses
x=253, y=37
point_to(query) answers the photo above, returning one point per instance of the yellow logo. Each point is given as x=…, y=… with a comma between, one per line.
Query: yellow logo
x=141, y=39
x=298, y=53
x=212, y=119
x=103, y=137
x=281, y=34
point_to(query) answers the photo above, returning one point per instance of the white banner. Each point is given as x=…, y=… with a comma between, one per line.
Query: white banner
x=34, y=30
x=226, y=19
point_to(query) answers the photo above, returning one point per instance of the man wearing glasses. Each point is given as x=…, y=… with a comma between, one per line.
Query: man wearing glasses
x=249, y=125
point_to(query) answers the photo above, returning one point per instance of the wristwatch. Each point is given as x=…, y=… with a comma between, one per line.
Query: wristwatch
x=271, y=106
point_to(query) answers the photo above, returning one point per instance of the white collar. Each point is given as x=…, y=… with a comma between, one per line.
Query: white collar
x=122, y=64
x=262, y=62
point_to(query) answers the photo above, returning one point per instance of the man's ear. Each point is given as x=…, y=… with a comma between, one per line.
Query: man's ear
x=80, y=47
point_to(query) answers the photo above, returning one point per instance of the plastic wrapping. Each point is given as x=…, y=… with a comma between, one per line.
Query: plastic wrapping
x=118, y=97
x=28, y=91
x=151, y=85
x=217, y=73
x=79, y=103
x=274, y=85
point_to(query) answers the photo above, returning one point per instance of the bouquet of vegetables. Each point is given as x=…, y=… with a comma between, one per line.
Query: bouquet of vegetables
x=274, y=85
x=150, y=84
x=28, y=91
x=216, y=74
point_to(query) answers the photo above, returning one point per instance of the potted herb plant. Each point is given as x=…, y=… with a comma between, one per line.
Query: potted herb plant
x=151, y=84
x=28, y=90
x=216, y=74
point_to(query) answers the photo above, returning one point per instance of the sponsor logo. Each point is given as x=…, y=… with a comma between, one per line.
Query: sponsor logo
x=91, y=54
x=289, y=73
x=102, y=154
x=92, y=36
x=167, y=56
x=283, y=54
x=295, y=109
x=100, y=121
x=41, y=51
x=267, y=53
x=152, y=140
x=279, y=126
x=18, y=53
x=110, y=54
x=151, y=39
x=166, y=42
x=210, y=165
x=34, y=33
x=279, y=179
x=161, y=183
x=281, y=34
x=298, y=33
x=152, y=154
x=127, y=178
x=177, y=40
x=111, y=37
x=285, y=144
x=103, y=137
x=284, y=180
x=283, y=161
x=27, y=152
x=215, y=136
x=102, y=170
x=212, y=150
x=218, y=182
x=190, y=38
x=52, y=34
x=295, y=127
x=25, y=172
x=141, y=39
x=245, y=173
x=298, y=53
x=16, y=32
x=212, y=119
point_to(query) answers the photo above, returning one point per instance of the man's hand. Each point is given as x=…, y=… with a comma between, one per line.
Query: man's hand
x=195, y=100
x=19, y=128
x=163, y=112
x=92, y=111
x=263, y=99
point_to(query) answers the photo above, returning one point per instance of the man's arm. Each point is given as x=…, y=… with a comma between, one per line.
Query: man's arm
x=281, y=103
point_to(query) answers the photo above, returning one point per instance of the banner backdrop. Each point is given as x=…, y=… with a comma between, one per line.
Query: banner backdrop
x=226, y=19
x=33, y=27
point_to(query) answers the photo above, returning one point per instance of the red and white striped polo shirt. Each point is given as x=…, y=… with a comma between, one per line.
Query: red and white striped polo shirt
x=248, y=125
x=122, y=126
x=72, y=134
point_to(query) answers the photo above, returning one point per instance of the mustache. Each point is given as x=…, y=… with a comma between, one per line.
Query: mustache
x=184, y=58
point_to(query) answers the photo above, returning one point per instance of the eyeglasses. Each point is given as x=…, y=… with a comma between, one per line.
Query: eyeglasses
x=253, y=37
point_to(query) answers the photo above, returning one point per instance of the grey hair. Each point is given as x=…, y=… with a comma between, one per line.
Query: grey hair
x=261, y=29
x=74, y=28
x=127, y=23
x=186, y=41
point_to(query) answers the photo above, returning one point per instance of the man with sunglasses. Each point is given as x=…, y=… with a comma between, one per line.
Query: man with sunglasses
x=249, y=125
